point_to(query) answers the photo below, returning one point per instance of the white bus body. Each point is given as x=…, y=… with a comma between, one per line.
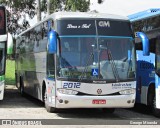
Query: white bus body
x=75, y=75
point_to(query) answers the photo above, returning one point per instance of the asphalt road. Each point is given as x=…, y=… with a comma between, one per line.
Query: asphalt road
x=15, y=107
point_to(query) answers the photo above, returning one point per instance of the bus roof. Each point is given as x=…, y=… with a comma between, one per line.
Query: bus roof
x=79, y=15
x=144, y=14
x=59, y=15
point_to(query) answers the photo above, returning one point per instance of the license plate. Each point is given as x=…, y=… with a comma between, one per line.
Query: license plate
x=98, y=101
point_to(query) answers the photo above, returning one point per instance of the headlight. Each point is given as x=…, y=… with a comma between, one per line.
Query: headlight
x=67, y=91
x=127, y=92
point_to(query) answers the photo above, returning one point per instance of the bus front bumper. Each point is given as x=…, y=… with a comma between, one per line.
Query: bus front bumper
x=73, y=101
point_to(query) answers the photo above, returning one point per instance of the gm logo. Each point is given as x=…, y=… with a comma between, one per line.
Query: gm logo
x=71, y=85
x=104, y=24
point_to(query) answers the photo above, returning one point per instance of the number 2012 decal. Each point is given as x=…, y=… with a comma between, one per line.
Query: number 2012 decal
x=71, y=85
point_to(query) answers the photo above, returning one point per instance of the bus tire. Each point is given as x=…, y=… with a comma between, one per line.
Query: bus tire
x=108, y=110
x=48, y=108
x=21, y=87
x=155, y=111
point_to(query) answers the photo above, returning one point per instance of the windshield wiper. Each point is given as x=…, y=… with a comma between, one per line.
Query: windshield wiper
x=86, y=66
x=113, y=65
x=111, y=60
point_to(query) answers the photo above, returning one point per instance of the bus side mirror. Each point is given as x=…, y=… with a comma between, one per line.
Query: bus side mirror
x=145, y=43
x=52, y=42
x=10, y=44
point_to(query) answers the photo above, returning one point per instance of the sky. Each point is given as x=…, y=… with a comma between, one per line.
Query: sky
x=124, y=7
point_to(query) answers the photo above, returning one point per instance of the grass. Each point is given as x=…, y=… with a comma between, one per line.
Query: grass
x=10, y=72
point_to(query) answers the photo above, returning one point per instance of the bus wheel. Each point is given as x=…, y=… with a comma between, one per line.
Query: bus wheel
x=156, y=112
x=48, y=108
x=108, y=110
x=21, y=87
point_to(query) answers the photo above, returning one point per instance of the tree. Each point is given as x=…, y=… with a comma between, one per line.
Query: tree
x=38, y=10
x=48, y=7
x=77, y=5
x=18, y=9
x=51, y=6
x=65, y=5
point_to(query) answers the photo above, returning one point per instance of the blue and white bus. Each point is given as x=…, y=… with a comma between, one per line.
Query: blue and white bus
x=148, y=67
x=78, y=60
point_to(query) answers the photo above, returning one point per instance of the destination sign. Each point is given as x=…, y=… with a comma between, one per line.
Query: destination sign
x=100, y=27
x=76, y=27
x=113, y=28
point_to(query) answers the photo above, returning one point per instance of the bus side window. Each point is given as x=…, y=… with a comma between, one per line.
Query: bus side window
x=50, y=66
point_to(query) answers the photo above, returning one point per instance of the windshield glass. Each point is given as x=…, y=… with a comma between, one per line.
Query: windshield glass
x=96, y=58
x=2, y=47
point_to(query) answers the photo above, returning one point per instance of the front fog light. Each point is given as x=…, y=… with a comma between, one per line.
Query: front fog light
x=127, y=92
x=67, y=91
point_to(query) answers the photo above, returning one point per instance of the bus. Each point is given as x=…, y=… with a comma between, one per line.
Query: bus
x=78, y=60
x=4, y=48
x=148, y=67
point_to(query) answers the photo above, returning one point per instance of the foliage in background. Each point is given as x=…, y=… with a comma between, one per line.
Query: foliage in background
x=77, y=5
x=10, y=72
x=55, y=5
x=17, y=9
x=66, y=5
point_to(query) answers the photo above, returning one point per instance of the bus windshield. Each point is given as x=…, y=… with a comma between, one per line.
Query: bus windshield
x=113, y=58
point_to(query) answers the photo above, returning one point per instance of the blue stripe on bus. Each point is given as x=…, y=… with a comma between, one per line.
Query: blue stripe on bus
x=144, y=14
x=72, y=36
